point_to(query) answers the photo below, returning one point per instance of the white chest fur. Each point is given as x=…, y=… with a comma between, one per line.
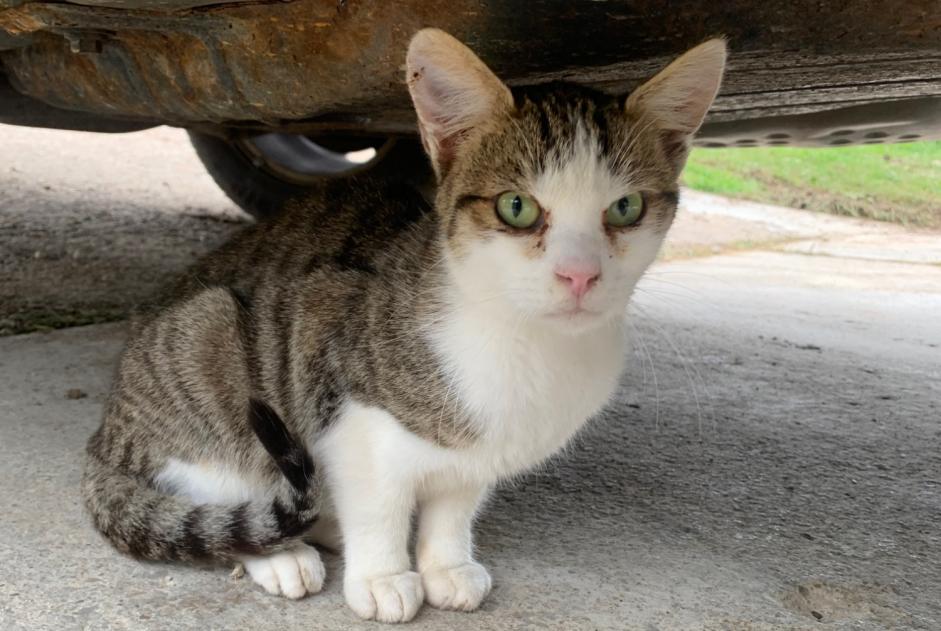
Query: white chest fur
x=527, y=389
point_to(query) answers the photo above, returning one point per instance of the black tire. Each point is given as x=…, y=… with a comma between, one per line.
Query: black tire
x=262, y=191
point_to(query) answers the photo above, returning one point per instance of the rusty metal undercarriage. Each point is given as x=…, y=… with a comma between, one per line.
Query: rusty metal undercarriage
x=314, y=65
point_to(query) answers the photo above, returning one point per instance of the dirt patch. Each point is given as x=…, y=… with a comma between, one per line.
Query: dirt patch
x=828, y=603
x=694, y=234
x=91, y=224
x=19, y=318
x=862, y=206
x=55, y=273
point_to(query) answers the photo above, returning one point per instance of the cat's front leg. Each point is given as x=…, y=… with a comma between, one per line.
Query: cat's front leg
x=378, y=582
x=373, y=493
x=452, y=579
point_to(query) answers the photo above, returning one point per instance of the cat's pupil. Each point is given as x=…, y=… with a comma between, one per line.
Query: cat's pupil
x=623, y=205
x=516, y=206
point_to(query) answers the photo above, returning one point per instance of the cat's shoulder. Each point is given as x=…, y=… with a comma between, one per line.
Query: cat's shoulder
x=359, y=203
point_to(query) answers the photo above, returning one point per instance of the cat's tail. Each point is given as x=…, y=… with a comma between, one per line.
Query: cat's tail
x=146, y=523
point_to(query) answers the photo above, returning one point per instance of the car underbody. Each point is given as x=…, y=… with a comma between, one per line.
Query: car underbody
x=804, y=72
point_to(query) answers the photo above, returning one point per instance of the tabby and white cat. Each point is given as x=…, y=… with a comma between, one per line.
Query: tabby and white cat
x=365, y=356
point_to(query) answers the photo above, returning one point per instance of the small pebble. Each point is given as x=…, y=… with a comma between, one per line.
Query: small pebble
x=76, y=393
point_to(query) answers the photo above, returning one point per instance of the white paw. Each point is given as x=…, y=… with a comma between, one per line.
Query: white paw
x=393, y=598
x=293, y=573
x=461, y=588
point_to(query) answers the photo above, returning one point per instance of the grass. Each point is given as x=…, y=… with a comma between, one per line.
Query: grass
x=899, y=183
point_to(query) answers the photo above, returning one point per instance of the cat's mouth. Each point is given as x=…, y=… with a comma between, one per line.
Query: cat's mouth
x=577, y=312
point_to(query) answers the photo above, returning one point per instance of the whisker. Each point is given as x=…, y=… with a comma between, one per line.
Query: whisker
x=687, y=365
x=653, y=372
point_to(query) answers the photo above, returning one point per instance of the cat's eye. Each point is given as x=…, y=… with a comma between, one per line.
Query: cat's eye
x=518, y=210
x=626, y=211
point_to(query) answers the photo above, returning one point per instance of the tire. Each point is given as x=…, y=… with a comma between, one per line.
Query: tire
x=262, y=173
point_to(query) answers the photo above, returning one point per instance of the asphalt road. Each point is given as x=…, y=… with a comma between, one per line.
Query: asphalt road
x=773, y=460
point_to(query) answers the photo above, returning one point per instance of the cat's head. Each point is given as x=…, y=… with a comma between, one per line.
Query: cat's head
x=554, y=200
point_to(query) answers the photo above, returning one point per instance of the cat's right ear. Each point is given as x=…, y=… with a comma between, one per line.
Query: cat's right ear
x=453, y=92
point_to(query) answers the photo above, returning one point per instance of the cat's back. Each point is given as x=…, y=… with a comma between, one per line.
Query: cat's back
x=357, y=226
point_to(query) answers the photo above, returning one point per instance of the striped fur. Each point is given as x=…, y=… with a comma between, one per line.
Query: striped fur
x=155, y=524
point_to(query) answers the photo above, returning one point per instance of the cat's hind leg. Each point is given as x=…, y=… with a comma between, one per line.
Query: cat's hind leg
x=292, y=573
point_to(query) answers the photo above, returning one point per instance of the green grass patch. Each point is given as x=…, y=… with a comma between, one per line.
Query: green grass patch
x=898, y=183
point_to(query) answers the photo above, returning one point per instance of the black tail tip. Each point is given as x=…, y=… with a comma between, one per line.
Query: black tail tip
x=287, y=451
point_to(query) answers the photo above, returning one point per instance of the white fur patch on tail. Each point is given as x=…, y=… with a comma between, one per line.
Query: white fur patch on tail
x=206, y=483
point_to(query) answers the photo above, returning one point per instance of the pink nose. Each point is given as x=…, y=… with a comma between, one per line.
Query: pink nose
x=580, y=277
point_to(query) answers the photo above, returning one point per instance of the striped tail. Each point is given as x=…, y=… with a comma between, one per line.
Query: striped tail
x=144, y=522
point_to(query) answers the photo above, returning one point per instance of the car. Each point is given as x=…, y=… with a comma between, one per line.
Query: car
x=278, y=96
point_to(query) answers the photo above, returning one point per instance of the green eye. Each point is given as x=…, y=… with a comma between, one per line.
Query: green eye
x=517, y=210
x=626, y=211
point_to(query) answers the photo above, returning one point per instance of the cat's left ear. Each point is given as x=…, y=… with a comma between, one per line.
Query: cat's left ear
x=453, y=91
x=678, y=98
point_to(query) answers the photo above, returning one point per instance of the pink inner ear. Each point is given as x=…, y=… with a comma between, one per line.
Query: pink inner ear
x=436, y=100
x=432, y=104
x=452, y=90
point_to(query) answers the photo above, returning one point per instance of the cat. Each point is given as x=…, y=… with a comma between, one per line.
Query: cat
x=368, y=355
